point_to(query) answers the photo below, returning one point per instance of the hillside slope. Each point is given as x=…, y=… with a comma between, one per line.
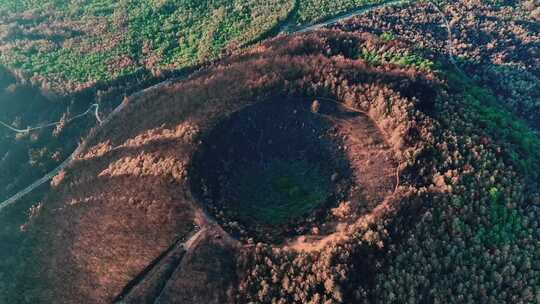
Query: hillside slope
x=460, y=199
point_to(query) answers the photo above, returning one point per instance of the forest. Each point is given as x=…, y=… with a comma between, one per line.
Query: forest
x=459, y=225
x=65, y=46
x=392, y=157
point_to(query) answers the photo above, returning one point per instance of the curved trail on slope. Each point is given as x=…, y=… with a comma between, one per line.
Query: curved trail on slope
x=450, y=39
x=81, y=146
x=121, y=107
x=94, y=109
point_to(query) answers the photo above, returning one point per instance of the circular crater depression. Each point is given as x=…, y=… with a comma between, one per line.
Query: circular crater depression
x=274, y=169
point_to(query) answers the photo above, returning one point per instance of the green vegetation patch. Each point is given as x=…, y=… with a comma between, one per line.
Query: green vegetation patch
x=182, y=33
x=281, y=191
x=311, y=11
x=520, y=142
x=100, y=40
x=506, y=224
x=387, y=36
x=401, y=58
x=88, y=41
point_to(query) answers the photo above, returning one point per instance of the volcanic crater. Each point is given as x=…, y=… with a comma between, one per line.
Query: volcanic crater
x=291, y=167
x=263, y=151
